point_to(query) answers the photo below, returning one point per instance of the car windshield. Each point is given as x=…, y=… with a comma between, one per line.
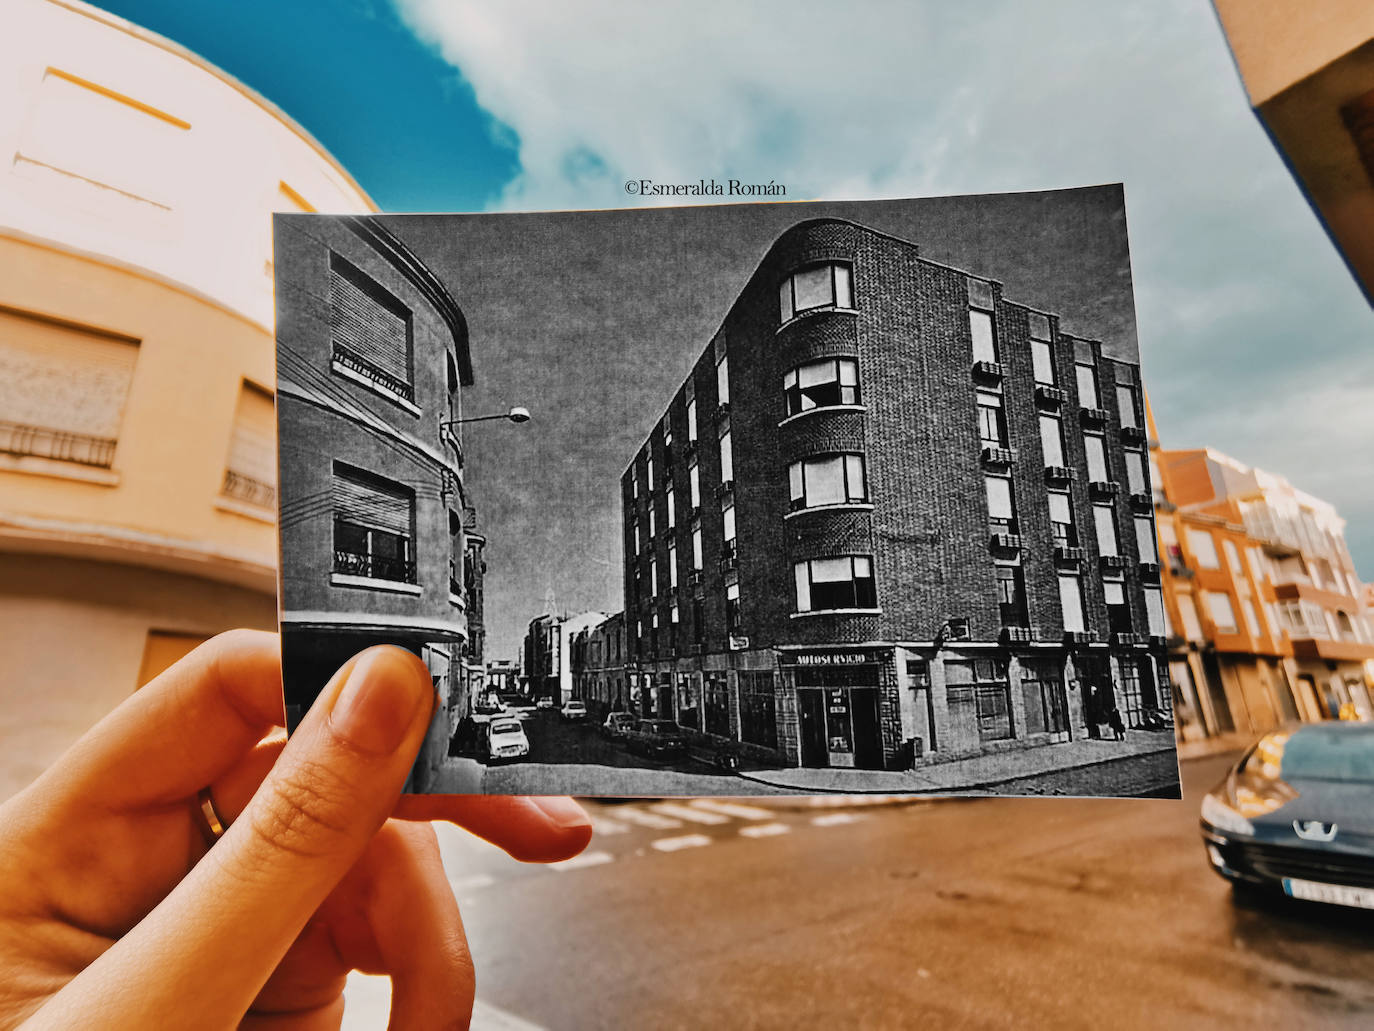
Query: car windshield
x=1330, y=753
x=576, y=705
x=505, y=728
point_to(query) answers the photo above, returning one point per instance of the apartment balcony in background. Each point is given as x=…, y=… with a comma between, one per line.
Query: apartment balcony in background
x=248, y=490
x=56, y=445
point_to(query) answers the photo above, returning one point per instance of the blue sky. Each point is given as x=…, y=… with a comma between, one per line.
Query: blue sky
x=1253, y=337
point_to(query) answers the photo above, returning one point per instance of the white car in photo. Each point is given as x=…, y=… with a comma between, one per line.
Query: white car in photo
x=573, y=710
x=506, y=739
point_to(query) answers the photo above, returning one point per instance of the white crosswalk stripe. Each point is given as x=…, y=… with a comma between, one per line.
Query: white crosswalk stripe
x=833, y=819
x=687, y=813
x=682, y=841
x=603, y=826
x=645, y=819
x=764, y=830
x=735, y=809
x=585, y=859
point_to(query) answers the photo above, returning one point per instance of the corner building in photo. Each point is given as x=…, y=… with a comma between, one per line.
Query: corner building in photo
x=893, y=518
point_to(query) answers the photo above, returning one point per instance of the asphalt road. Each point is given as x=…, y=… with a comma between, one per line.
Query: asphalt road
x=982, y=913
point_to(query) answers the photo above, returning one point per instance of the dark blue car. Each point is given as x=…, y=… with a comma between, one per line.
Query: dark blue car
x=1296, y=815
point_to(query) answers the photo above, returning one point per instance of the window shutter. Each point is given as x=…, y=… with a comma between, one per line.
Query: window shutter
x=371, y=506
x=253, y=447
x=368, y=328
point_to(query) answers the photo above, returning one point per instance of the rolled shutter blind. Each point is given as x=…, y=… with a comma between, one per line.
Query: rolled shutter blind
x=369, y=506
x=368, y=328
x=60, y=377
x=252, y=449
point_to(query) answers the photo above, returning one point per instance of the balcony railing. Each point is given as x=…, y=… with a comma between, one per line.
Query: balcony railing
x=247, y=489
x=357, y=363
x=374, y=567
x=58, y=445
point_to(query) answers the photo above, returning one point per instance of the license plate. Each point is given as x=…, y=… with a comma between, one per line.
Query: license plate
x=1336, y=894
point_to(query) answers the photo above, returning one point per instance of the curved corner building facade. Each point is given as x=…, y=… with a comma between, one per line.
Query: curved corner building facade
x=372, y=358
x=891, y=518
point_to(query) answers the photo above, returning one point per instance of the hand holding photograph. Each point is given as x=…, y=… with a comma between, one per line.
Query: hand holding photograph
x=742, y=499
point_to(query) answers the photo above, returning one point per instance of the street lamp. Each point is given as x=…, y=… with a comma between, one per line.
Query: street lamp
x=517, y=415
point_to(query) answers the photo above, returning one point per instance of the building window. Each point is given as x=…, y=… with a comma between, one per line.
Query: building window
x=1001, y=507
x=672, y=507
x=1011, y=595
x=649, y=472
x=727, y=459
x=1219, y=608
x=371, y=330
x=984, y=335
x=978, y=689
x=1156, y=481
x=696, y=548
x=63, y=389
x=460, y=573
x=1154, y=612
x=672, y=566
x=1061, y=520
x=691, y=420
x=1104, y=522
x=828, y=480
x=727, y=521
x=1052, y=439
x=1145, y=543
x=1204, y=549
x=823, y=384
x=1126, y=406
x=992, y=423
x=1135, y=472
x=823, y=286
x=758, y=715
x=1187, y=612
x=373, y=522
x=1233, y=558
x=688, y=712
x=698, y=621
x=843, y=582
x=634, y=530
x=723, y=381
x=1247, y=609
x=653, y=577
x=1042, y=351
x=732, y=609
x=694, y=486
x=1096, y=450
x=652, y=529
x=634, y=480
x=1085, y=372
x=250, y=475
x=1071, y=602
x=1118, y=612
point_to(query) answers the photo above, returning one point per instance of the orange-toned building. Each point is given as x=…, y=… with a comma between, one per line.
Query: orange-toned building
x=1263, y=596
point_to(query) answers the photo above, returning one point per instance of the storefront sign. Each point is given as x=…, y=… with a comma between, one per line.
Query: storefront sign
x=851, y=658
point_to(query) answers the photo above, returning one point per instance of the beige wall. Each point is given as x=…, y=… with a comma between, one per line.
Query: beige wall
x=1278, y=42
x=72, y=638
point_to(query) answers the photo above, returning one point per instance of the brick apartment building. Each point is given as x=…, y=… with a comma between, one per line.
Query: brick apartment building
x=598, y=665
x=892, y=514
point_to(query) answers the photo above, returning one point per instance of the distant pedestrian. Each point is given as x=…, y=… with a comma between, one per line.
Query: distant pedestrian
x=1118, y=727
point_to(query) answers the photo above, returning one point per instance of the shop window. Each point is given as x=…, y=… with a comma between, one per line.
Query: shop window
x=758, y=708
x=822, y=384
x=688, y=709
x=717, y=705
x=977, y=689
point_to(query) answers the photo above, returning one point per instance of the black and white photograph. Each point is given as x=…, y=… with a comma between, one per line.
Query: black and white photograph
x=734, y=499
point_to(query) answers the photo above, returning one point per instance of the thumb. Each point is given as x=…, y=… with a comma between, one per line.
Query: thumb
x=222, y=931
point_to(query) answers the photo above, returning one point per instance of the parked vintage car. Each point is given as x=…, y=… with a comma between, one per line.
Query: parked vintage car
x=1296, y=815
x=506, y=740
x=545, y=702
x=573, y=709
x=656, y=738
x=617, y=723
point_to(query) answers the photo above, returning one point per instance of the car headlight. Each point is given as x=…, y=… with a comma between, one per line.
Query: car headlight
x=1224, y=818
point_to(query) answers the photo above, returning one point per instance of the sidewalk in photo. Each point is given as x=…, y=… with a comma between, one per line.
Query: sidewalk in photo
x=1233, y=742
x=980, y=773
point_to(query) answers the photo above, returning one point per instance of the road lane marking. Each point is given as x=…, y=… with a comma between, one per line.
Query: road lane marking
x=601, y=825
x=682, y=841
x=472, y=882
x=687, y=813
x=486, y=1017
x=585, y=859
x=658, y=823
x=834, y=819
x=735, y=809
x=764, y=830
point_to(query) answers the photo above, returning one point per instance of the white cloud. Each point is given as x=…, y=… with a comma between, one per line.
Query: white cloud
x=1239, y=293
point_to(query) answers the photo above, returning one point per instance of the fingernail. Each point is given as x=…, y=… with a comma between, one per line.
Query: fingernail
x=379, y=701
x=562, y=811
